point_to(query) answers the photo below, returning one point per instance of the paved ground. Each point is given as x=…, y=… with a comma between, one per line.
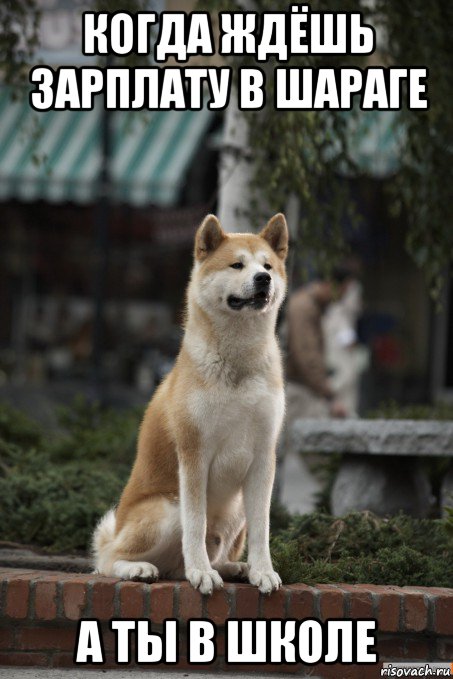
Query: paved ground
x=32, y=673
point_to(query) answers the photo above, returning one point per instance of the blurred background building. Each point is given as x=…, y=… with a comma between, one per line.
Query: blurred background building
x=98, y=213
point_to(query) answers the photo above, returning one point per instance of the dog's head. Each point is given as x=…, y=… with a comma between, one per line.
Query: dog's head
x=240, y=273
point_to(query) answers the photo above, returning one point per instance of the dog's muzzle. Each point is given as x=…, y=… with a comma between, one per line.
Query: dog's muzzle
x=260, y=298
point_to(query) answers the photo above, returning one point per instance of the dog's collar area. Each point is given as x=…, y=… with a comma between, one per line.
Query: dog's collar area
x=257, y=301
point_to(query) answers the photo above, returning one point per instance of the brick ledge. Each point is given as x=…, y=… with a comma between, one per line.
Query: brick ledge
x=39, y=611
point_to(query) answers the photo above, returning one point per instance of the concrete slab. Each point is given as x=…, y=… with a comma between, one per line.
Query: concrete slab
x=44, y=673
x=374, y=437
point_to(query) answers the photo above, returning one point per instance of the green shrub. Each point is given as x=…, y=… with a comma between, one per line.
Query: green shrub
x=361, y=547
x=53, y=489
x=54, y=506
x=391, y=410
x=92, y=433
x=17, y=428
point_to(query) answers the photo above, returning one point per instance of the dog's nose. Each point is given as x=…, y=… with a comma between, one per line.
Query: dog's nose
x=262, y=279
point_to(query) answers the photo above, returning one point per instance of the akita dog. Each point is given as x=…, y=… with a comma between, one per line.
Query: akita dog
x=205, y=462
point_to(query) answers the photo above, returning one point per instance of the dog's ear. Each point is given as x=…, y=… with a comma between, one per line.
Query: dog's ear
x=209, y=236
x=276, y=234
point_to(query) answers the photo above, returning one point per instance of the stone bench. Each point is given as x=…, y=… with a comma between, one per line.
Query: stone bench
x=380, y=469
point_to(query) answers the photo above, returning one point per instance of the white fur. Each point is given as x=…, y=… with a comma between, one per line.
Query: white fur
x=239, y=415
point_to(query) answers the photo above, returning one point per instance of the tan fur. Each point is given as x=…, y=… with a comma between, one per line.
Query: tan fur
x=238, y=546
x=206, y=448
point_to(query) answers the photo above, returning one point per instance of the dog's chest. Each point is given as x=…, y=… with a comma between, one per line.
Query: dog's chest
x=234, y=423
x=224, y=412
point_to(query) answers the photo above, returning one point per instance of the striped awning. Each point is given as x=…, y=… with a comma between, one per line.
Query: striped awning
x=56, y=155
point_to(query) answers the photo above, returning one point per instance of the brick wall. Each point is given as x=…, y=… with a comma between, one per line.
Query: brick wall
x=39, y=611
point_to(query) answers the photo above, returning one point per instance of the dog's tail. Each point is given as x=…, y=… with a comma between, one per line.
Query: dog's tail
x=103, y=537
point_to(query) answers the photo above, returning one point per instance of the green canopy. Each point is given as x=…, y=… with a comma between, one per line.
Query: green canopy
x=56, y=155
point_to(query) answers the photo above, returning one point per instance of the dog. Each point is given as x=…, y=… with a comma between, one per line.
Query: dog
x=205, y=463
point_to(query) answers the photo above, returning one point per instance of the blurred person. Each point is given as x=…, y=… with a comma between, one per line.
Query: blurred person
x=346, y=359
x=310, y=393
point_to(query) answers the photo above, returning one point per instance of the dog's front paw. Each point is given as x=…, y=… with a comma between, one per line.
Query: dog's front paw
x=267, y=580
x=204, y=580
x=236, y=570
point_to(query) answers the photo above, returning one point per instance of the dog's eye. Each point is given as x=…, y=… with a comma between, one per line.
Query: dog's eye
x=268, y=267
x=237, y=265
